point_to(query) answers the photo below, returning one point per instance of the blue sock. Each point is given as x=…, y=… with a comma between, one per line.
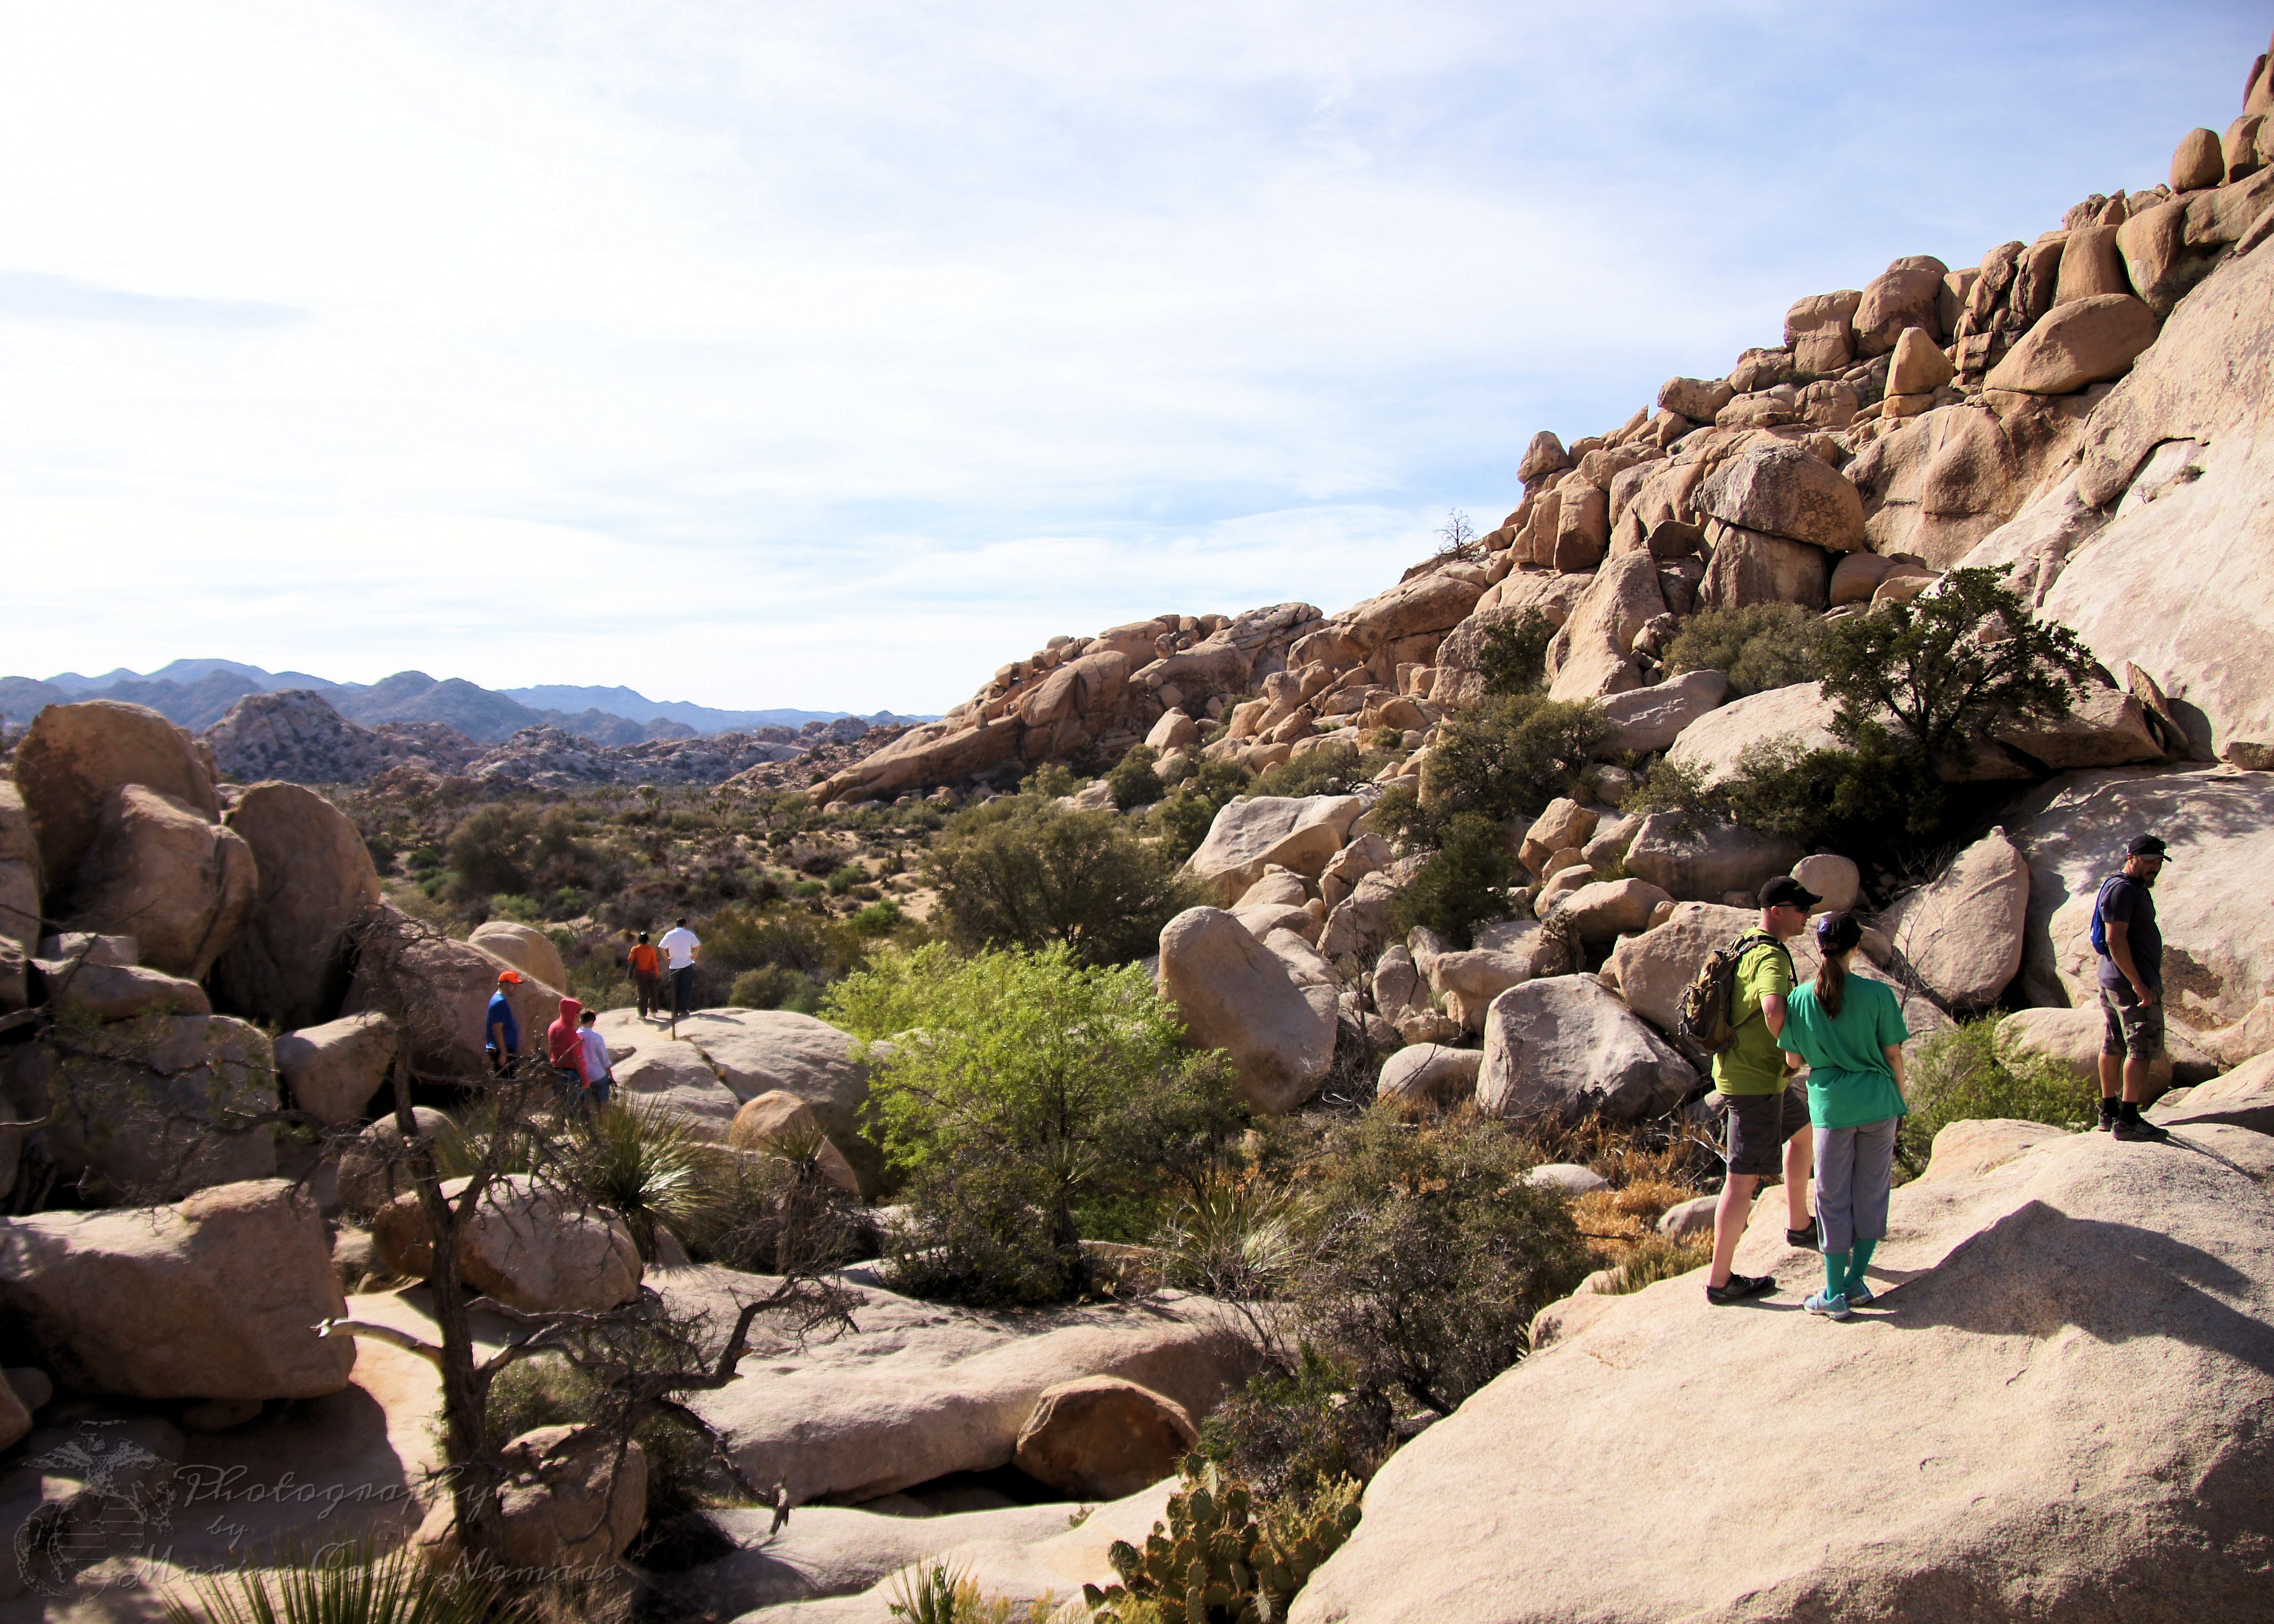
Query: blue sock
x=1835, y=1274
x=1861, y=1255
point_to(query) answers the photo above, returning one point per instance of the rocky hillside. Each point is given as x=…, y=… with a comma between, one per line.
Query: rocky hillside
x=2083, y=406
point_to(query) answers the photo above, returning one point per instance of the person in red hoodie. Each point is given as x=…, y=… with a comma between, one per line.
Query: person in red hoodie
x=564, y=1046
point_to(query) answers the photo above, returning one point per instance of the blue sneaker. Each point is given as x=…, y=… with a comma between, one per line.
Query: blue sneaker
x=1859, y=1294
x=1830, y=1307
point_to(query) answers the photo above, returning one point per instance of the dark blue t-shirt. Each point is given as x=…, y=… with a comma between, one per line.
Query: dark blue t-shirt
x=501, y=1015
x=2129, y=903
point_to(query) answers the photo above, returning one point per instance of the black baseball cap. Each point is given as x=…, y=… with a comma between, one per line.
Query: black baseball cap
x=1785, y=891
x=2147, y=845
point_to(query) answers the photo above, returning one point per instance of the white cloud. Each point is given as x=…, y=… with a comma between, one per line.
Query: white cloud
x=778, y=355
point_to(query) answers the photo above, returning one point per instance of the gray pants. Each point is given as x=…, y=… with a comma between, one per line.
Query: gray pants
x=1854, y=1169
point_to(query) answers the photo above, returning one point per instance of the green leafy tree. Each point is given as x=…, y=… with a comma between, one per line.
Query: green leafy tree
x=1015, y=1082
x=1026, y=872
x=1334, y=770
x=1949, y=666
x=1463, y=884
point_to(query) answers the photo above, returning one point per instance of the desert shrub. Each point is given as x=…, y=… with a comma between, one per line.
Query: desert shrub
x=1758, y=646
x=1514, y=658
x=1959, y=1076
x=1182, y=819
x=1511, y=756
x=1024, y=872
x=799, y=946
x=1133, y=780
x=1463, y=883
x=775, y=987
x=1843, y=800
x=879, y=919
x=842, y=880
x=1293, y=1433
x=777, y=1207
x=1427, y=1255
x=489, y=853
x=1017, y=1085
x=1332, y=771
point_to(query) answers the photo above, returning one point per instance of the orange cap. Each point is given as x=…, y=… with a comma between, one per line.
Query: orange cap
x=509, y=975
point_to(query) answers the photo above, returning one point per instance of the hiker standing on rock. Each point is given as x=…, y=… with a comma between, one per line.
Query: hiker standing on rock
x=502, y=1032
x=680, y=946
x=1850, y=1032
x=646, y=965
x=2131, y=949
x=1766, y=1111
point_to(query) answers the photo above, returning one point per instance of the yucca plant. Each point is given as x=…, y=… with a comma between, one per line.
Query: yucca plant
x=945, y=1593
x=643, y=1161
x=360, y=1583
x=1232, y=1241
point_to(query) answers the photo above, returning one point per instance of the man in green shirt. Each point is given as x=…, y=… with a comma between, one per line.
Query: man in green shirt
x=1767, y=1114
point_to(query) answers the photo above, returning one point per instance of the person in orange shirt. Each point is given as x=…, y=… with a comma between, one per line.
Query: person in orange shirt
x=647, y=974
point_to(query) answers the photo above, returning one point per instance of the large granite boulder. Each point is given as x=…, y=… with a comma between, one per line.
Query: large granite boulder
x=334, y=1069
x=158, y=869
x=759, y=1051
x=439, y=992
x=1236, y=995
x=1781, y=490
x=1962, y=932
x=73, y=755
x=216, y=1297
x=292, y=964
x=159, y=1106
x=2039, y=1361
x=1298, y=833
x=1564, y=1047
x=1703, y=859
x=524, y=947
x=530, y=1246
x=19, y=896
x=567, y=1505
x=1715, y=742
x=1651, y=718
x=1099, y=1438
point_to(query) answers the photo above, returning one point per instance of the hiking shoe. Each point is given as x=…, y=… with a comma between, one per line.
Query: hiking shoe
x=1803, y=1237
x=1740, y=1288
x=2107, y=1120
x=1830, y=1307
x=2140, y=1129
x=1859, y=1294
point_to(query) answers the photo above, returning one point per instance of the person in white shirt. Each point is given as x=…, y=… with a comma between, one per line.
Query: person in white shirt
x=600, y=1080
x=680, y=946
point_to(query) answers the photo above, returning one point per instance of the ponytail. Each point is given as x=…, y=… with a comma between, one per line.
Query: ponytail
x=1831, y=985
x=1836, y=936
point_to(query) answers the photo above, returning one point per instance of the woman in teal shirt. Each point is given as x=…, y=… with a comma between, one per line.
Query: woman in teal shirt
x=1850, y=1032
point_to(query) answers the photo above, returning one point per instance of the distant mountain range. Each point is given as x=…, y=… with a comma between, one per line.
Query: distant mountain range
x=197, y=693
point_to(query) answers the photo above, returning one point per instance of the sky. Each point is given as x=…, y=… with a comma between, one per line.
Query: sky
x=832, y=356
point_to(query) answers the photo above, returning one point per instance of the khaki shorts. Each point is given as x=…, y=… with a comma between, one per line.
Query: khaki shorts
x=1759, y=1125
x=2131, y=1030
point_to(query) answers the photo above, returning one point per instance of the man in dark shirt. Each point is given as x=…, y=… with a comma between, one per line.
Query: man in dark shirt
x=2131, y=989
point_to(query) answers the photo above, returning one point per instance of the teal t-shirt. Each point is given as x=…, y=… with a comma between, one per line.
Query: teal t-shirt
x=1849, y=1082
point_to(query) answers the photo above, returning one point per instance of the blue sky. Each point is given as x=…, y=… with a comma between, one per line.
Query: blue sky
x=832, y=355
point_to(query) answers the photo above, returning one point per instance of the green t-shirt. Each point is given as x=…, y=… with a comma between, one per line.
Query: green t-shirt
x=1849, y=1082
x=1753, y=1065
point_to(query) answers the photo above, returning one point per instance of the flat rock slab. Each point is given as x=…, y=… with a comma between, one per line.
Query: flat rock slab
x=2065, y=1389
x=922, y=1389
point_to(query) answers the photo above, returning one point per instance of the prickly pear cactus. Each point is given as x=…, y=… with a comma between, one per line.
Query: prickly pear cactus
x=1216, y=1561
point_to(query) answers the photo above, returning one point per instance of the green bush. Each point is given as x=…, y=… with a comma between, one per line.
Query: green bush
x=1959, y=1076
x=1511, y=756
x=1427, y=1256
x=1848, y=800
x=879, y=919
x=1025, y=872
x=1464, y=883
x=1019, y=1084
x=1757, y=647
x=846, y=878
x=774, y=986
x=1514, y=658
x=1133, y=780
x=1331, y=770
